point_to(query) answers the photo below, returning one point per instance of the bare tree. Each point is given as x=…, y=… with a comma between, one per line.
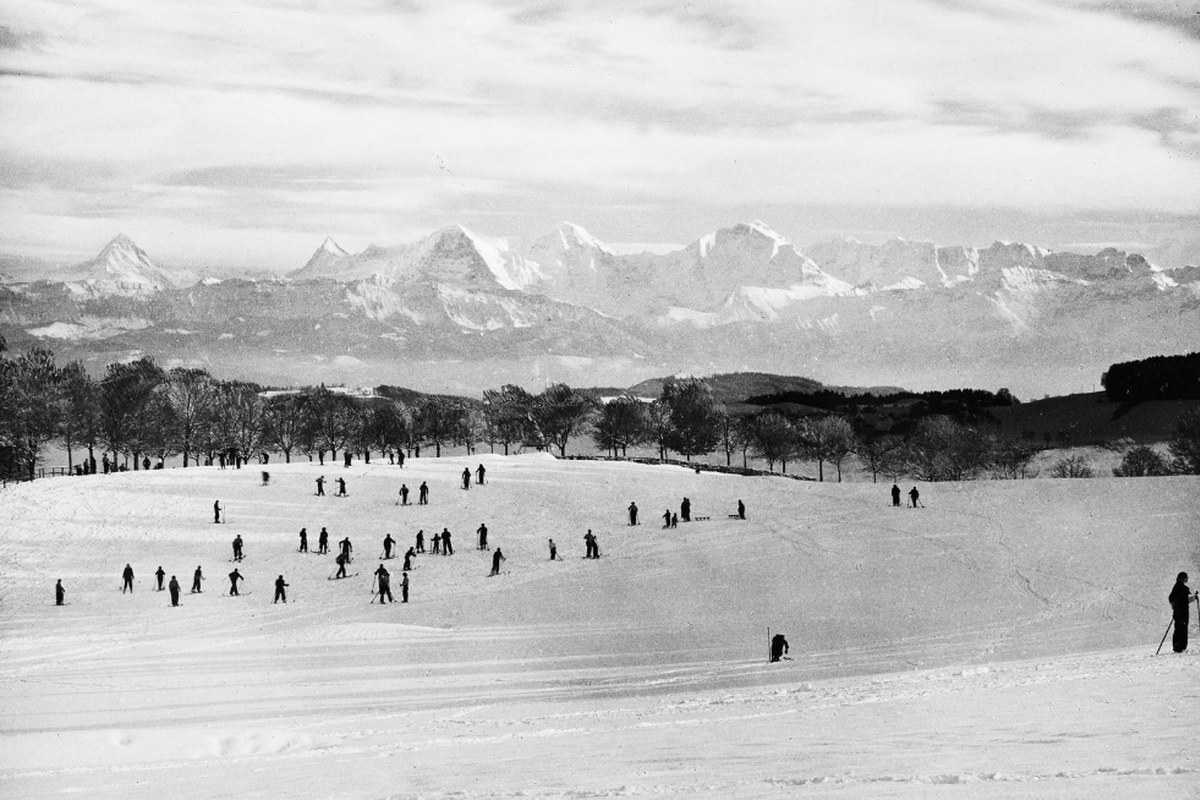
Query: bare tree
x=191, y=393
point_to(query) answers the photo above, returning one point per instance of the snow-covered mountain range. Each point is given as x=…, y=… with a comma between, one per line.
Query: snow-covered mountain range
x=901, y=312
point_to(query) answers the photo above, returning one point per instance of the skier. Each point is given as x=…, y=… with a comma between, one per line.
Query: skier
x=234, y=577
x=197, y=576
x=479, y=473
x=266, y=477
x=895, y=496
x=633, y=513
x=408, y=557
x=341, y=492
x=321, y=486
x=674, y=520
x=158, y=573
x=779, y=646
x=589, y=542
x=341, y=562
x=404, y=588
x=128, y=576
x=483, y=545
x=323, y=542
x=437, y=544
x=667, y=518
x=400, y=457
x=221, y=459
x=347, y=459
x=1180, y=600
x=423, y=494
x=304, y=540
x=466, y=478
x=447, y=548
x=60, y=594
x=421, y=541
x=553, y=551
x=497, y=557
x=280, y=594
x=403, y=494
x=385, y=589
x=216, y=512
x=914, y=497
x=388, y=541
x=174, y=585
x=104, y=462
x=346, y=548
x=741, y=510
x=685, y=510
x=237, y=547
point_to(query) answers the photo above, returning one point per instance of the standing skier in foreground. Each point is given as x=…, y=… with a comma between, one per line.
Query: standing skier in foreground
x=128, y=576
x=60, y=594
x=1180, y=599
x=497, y=557
x=385, y=589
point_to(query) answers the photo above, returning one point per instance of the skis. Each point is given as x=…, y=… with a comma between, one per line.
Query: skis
x=332, y=578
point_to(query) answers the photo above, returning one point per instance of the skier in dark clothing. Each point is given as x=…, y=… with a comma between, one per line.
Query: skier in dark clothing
x=400, y=458
x=437, y=544
x=741, y=510
x=589, y=541
x=385, y=589
x=447, y=548
x=466, y=478
x=60, y=594
x=388, y=541
x=483, y=545
x=346, y=548
x=895, y=495
x=280, y=594
x=497, y=557
x=197, y=576
x=158, y=573
x=128, y=576
x=553, y=551
x=237, y=547
x=674, y=520
x=779, y=646
x=216, y=512
x=421, y=541
x=174, y=586
x=347, y=459
x=685, y=510
x=914, y=497
x=479, y=473
x=234, y=577
x=323, y=542
x=1180, y=599
x=403, y=494
x=667, y=518
x=408, y=557
x=321, y=486
x=341, y=492
x=633, y=513
x=423, y=494
x=341, y=562
x=304, y=540
x=404, y=588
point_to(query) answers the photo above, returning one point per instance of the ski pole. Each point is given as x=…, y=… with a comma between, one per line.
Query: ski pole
x=1164, y=639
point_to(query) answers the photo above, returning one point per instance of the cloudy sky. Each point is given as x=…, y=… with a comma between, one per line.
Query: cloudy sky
x=239, y=134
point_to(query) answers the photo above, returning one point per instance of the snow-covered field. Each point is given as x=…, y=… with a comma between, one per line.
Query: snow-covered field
x=997, y=643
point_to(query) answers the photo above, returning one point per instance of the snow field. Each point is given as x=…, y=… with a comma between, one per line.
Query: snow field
x=996, y=643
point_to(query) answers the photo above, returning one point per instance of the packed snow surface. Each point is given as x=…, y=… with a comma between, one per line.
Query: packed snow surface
x=998, y=642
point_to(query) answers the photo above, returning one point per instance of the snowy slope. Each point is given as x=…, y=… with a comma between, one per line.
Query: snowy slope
x=996, y=642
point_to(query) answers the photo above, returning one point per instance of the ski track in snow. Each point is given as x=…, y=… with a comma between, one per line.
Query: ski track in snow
x=996, y=643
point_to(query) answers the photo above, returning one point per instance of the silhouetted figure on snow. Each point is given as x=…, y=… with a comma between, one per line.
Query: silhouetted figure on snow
x=914, y=497
x=403, y=494
x=216, y=512
x=60, y=594
x=323, y=542
x=408, y=557
x=466, y=478
x=280, y=594
x=685, y=510
x=895, y=495
x=553, y=550
x=779, y=647
x=197, y=576
x=479, y=473
x=633, y=513
x=404, y=588
x=174, y=587
x=741, y=510
x=237, y=547
x=421, y=541
x=388, y=541
x=128, y=576
x=423, y=494
x=447, y=548
x=341, y=492
x=304, y=540
x=321, y=486
x=159, y=574
x=234, y=577
x=1180, y=599
x=483, y=545
x=385, y=589
x=497, y=557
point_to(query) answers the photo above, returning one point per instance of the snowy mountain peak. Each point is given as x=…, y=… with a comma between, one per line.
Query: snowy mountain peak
x=573, y=236
x=123, y=268
x=331, y=247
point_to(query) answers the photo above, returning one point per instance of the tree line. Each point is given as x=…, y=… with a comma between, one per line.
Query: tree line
x=138, y=414
x=1155, y=378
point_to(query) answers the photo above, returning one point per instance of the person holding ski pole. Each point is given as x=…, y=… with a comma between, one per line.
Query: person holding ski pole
x=497, y=557
x=408, y=557
x=280, y=594
x=385, y=589
x=346, y=548
x=1181, y=600
x=234, y=577
x=197, y=576
x=914, y=497
x=479, y=473
x=779, y=647
x=321, y=486
x=388, y=542
x=341, y=562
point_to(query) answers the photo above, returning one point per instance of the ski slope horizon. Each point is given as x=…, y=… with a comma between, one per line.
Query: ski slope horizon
x=995, y=595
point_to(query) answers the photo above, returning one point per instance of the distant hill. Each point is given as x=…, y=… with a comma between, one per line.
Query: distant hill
x=1090, y=419
x=735, y=387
